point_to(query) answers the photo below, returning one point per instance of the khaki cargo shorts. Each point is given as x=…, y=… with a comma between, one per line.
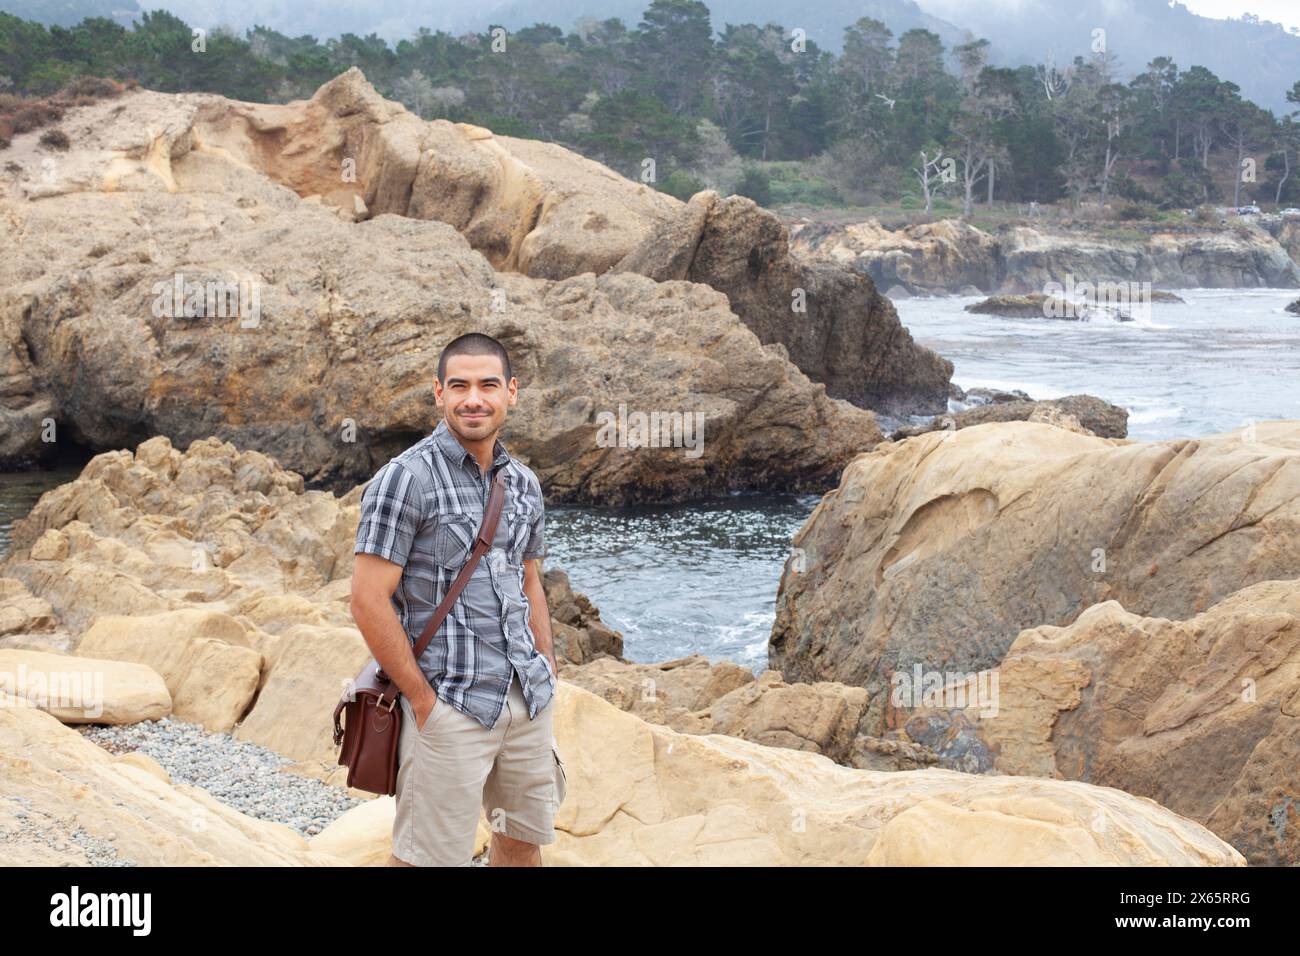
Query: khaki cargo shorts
x=453, y=767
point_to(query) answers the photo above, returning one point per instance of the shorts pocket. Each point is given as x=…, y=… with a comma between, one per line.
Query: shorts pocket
x=561, y=779
x=439, y=706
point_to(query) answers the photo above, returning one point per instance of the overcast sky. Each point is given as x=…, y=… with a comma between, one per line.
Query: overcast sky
x=1285, y=12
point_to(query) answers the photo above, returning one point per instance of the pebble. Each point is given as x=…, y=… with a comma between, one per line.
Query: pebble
x=240, y=774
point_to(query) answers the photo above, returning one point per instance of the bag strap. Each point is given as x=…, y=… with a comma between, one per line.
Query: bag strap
x=482, y=544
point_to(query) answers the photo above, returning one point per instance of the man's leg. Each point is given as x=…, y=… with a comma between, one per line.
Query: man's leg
x=507, y=851
x=521, y=795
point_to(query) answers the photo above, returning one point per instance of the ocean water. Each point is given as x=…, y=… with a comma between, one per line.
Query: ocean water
x=1226, y=357
x=701, y=579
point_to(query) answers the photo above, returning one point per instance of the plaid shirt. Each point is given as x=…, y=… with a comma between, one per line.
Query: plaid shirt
x=422, y=510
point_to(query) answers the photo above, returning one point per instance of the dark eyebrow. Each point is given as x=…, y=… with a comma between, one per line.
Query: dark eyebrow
x=487, y=378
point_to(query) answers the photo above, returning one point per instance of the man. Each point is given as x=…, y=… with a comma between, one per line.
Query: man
x=477, y=731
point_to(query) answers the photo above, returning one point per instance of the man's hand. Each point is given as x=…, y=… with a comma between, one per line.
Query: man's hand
x=539, y=615
x=425, y=708
x=373, y=582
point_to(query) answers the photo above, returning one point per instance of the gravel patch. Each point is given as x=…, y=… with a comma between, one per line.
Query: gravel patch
x=240, y=774
x=36, y=828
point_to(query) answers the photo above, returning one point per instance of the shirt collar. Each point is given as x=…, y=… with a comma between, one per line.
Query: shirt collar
x=456, y=452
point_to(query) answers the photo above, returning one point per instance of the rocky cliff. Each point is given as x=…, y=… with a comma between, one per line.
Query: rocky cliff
x=950, y=256
x=164, y=278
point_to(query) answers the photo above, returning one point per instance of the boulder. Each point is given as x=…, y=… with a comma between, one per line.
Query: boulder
x=1201, y=715
x=544, y=211
x=939, y=550
x=202, y=656
x=641, y=794
x=80, y=689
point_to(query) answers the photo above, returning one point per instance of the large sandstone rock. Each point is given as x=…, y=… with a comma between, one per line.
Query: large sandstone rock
x=539, y=209
x=832, y=321
x=210, y=672
x=64, y=801
x=937, y=551
x=642, y=794
x=1201, y=715
x=692, y=695
x=79, y=689
x=330, y=369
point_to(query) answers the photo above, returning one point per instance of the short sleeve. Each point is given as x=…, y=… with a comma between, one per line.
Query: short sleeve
x=536, y=546
x=392, y=510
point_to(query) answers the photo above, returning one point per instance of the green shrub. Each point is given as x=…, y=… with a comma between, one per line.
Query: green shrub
x=1132, y=211
x=681, y=185
x=755, y=185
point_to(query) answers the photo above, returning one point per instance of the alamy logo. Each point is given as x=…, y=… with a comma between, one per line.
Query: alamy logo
x=1123, y=301
x=61, y=690
x=209, y=299
x=651, y=430
x=948, y=690
x=102, y=909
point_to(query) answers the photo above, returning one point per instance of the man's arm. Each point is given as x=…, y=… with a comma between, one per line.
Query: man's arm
x=374, y=579
x=539, y=615
x=392, y=511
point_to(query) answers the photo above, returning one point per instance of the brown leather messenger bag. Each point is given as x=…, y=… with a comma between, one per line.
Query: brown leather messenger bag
x=371, y=719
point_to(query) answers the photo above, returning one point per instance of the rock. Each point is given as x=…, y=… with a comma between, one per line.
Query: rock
x=1084, y=414
x=1160, y=295
x=952, y=256
x=939, y=550
x=80, y=689
x=983, y=396
x=1031, y=258
x=898, y=292
x=642, y=794
x=306, y=674
x=927, y=258
x=21, y=612
x=59, y=789
x=691, y=695
x=833, y=322
x=1201, y=715
x=543, y=211
x=1294, y=307
x=578, y=632
x=137, y=759
x=364, y=835
x=328, y=359
x=210, y=674
x=1034, y=305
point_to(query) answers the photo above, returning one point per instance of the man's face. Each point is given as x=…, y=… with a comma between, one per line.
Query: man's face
x=475, y=395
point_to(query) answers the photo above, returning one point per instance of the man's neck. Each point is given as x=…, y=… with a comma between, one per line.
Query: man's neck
x=481, y=450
